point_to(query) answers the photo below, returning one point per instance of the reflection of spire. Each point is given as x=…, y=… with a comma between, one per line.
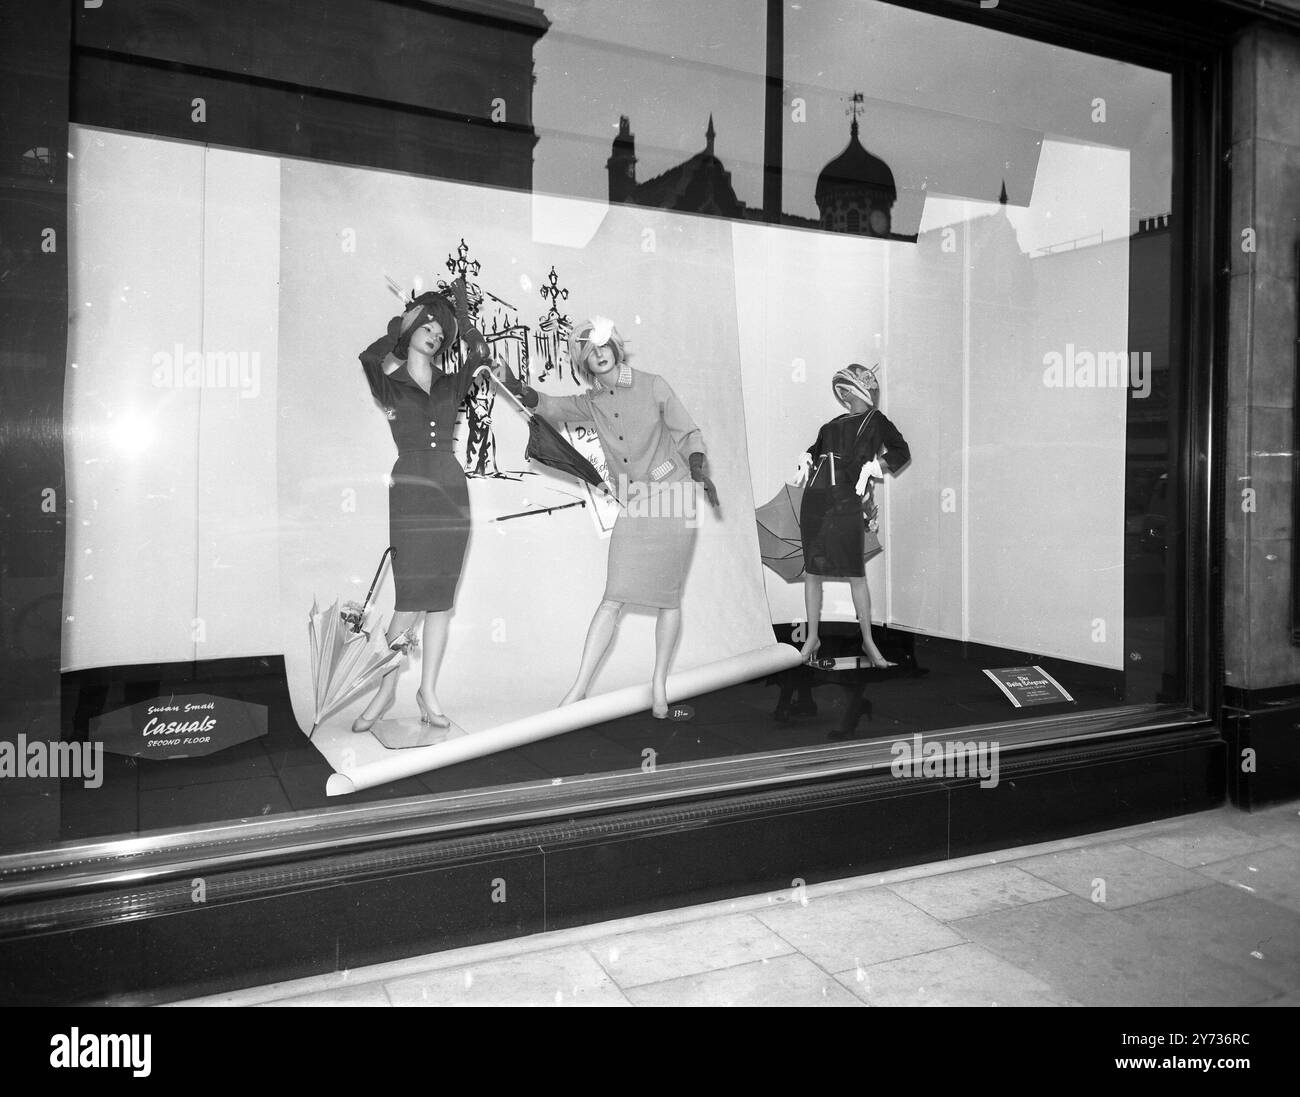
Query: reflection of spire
x=621, y=165
x=856, y=107
x=1002, y=198
x=708, y=137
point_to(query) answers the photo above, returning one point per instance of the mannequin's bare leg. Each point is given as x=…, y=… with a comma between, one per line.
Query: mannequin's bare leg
x=812, y=601
x=434, y=643
x=667, y=628
x=599, y=634
x=862, y=605
x=402, y=620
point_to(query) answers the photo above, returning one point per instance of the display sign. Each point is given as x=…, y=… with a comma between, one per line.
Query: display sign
x=179, y=726
x=1025, y=686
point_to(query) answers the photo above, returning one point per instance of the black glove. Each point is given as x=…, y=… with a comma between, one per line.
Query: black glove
x=401, y=339
x=522, y=392
x=476, y=348
x=697, y=474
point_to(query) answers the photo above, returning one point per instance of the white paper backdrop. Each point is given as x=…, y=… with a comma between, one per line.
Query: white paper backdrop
x=1007, y=526
x=529, y=585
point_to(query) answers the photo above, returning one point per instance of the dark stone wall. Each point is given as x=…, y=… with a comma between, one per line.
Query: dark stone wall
x=1261, y=362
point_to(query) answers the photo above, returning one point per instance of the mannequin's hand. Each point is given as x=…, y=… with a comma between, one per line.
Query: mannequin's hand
x=476, y=348
x=870, y=471
x=697, y=474
x=403, y=345
x=502, y=372
x=506, y=376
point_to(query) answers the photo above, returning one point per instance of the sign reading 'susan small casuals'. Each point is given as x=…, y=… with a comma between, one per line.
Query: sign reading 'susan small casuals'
x=179, y=726
x=1025, y=686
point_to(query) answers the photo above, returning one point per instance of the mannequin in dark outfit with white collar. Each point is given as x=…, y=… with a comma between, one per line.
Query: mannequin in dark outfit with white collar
x=848, y=450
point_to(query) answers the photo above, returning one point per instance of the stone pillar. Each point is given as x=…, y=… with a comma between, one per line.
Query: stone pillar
x=1261, y=666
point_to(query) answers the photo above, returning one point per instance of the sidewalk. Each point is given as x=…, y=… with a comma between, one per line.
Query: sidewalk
x=1199, y=910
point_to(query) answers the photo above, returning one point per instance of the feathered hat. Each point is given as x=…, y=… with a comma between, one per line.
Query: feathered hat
x=599, y=331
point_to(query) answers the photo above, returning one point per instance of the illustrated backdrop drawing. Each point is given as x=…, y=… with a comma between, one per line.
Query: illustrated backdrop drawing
x=530, y=584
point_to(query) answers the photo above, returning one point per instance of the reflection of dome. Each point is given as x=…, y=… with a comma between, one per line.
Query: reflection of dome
x=855, y=167
x=855, y=191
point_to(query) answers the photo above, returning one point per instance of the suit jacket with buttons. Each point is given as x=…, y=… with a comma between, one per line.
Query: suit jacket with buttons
x=421, y=422
x=644, y=429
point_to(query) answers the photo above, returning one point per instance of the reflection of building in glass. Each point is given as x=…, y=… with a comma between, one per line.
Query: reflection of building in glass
x=434, y=89
x=968, y=284
x=698, y=185
x=1003, y=310
x=856, y=191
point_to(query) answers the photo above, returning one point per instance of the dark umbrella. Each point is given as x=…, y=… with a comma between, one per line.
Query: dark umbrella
x=548, y=446
x=779, y=543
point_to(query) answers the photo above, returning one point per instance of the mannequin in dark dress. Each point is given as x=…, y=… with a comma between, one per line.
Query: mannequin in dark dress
x=428, y=498
x=848, y=451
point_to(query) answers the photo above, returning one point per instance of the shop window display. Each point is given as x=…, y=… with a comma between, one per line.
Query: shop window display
x=621, y=373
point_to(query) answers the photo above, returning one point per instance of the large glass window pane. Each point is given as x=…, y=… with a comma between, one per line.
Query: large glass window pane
x=981, y=222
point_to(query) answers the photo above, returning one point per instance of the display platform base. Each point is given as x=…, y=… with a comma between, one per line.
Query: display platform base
x=408, y=734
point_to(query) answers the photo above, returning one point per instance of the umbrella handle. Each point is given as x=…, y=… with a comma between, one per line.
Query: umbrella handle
x=505, y=388
x=390, y=550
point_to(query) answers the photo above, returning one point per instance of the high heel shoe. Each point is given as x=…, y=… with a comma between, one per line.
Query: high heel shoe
x=428, y=716
x=877, y=664
x=658, y=711
x=361, y=724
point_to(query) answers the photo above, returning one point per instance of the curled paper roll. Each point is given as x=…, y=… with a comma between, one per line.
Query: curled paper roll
x=594, y=710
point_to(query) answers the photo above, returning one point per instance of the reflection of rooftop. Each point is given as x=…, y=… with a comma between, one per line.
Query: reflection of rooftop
x=702, y=184
x=1146, y=226
x=697, y=185
x=1071, y=245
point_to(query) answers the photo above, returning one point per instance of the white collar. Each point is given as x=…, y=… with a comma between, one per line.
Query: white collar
x=622, y=381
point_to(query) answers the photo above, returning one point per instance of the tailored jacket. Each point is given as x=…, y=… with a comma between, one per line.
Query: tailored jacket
x=850, y=441
x=420, y=422
x=644, y=429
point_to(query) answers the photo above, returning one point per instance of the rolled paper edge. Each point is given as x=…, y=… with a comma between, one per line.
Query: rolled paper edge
x=544, y=725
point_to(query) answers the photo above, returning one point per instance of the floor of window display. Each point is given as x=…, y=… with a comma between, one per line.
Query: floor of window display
x=937, y=684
